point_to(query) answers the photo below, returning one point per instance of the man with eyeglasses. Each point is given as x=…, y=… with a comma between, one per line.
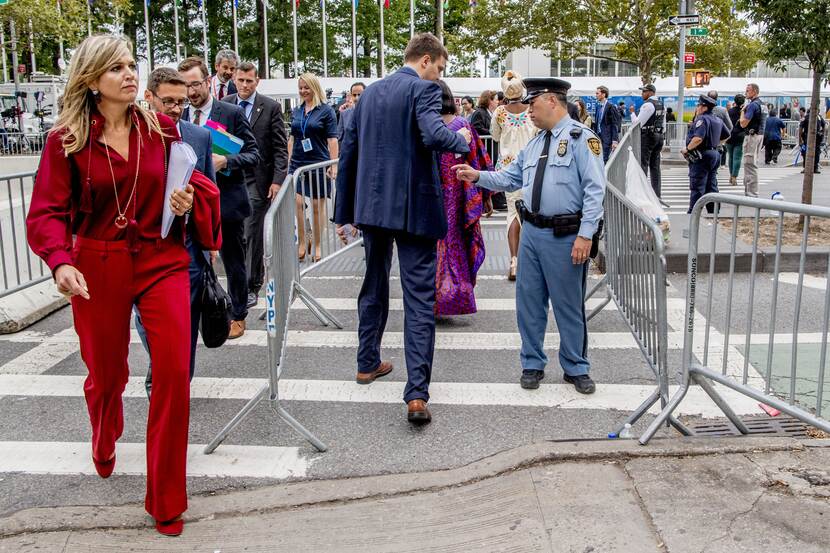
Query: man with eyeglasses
x=236, y=204
x=167, y=93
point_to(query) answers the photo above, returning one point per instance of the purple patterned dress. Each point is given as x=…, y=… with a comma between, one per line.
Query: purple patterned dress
x=461, y=252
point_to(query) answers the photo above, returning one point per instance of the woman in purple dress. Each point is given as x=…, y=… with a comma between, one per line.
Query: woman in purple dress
x=461, y=252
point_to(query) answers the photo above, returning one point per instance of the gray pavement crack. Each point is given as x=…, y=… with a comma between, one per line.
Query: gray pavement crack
x=541, y=511
x=733, y=520
x=661, y=543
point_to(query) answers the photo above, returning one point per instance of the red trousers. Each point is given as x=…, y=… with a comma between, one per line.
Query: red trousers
x=156, y=280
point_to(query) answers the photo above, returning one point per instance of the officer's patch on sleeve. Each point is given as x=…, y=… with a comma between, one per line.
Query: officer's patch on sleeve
x=576, y=132
x=699, y=123
x=595, y=146
x=563, y=148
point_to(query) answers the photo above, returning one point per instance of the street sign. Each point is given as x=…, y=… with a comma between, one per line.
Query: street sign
x=689, y=57
x=698, y=31
x=3, y=2
x=687, y=19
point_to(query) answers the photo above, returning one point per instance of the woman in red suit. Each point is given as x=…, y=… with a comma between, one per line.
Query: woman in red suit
x=95, y=219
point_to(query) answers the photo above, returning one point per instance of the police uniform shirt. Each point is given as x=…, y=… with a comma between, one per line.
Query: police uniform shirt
x=574, y=179
x=708, y=128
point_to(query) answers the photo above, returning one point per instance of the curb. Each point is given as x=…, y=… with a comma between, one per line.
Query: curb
x=28, y=306
x=316, y=492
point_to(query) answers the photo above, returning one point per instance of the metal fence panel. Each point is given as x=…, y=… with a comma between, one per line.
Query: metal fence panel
x=21, y=144
x=742, y=354
x=21, y=268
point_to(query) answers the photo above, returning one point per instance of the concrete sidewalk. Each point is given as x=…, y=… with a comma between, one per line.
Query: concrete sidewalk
x=690, y=495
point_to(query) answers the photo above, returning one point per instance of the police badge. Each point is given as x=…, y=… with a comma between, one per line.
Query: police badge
x=563, y=148
x=595, y=146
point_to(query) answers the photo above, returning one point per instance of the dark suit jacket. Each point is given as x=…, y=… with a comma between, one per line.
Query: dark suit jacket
x=388, y=171
x=234, y=195
x=480, y=120
x=609, y=129
x=269, y=131
x=200, y=140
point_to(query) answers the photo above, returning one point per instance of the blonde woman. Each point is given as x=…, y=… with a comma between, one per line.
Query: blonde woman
x=512, y=129
x=313, y=139
x=95, y=219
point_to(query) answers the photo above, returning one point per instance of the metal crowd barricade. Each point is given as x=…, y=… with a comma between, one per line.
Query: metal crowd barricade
x=797, y=392
x=21, y=144
x=491, y=146
x=20, y=267
x=635, y=273
x=282, y=278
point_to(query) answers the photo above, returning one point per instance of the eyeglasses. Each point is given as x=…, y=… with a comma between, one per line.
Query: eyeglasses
x=196, y=84
x=170, y=103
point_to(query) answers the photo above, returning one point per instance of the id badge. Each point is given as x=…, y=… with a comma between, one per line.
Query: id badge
x=306, y=145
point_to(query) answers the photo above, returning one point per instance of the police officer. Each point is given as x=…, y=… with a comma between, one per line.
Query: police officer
x=706, y=133
x=753, y=120
x=561, y=175
x=652, y=118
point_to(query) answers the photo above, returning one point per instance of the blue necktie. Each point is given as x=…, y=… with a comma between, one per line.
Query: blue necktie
x=599, y=117
x=244, y=105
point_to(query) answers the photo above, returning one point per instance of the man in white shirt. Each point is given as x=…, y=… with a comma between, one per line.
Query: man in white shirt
x=652, y=118
x=221, y=83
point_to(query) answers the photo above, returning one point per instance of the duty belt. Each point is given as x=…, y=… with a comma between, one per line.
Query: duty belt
x=562, y=225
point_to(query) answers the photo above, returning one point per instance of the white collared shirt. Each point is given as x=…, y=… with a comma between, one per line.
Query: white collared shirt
x=205, y=109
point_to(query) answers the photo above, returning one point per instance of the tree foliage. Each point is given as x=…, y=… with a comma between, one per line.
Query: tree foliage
x=639, y=28
x=791, y=33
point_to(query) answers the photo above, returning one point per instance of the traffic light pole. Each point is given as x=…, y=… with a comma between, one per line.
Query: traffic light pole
x=681, y=78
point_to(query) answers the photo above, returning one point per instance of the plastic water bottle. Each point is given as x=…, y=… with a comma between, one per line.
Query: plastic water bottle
x=778, y=196
x=625, y=433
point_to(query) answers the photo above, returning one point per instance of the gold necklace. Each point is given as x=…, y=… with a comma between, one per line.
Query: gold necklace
x=121, y=221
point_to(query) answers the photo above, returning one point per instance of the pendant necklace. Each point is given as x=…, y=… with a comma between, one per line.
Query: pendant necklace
x=121, y=221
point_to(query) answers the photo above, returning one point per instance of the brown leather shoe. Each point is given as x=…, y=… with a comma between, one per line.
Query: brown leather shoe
x=383, y=369
x=237, y=329
x=417, y=412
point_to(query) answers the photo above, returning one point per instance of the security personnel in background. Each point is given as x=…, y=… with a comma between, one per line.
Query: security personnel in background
x=561, y=175
x=652, y=118
x=706, y=134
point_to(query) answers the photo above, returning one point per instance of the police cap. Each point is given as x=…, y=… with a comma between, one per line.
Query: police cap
x=649, y=87
x=536, y=86
x=704, y=100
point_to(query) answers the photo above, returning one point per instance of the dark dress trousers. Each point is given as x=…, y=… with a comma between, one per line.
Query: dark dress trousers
x=388, y=185
x=236, y=205
x=269, y=131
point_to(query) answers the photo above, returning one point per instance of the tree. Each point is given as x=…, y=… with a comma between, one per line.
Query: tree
x=639, y=29
x=790, y=34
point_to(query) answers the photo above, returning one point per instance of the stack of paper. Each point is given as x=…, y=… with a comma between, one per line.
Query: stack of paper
x=224, y=143
x=179, y=169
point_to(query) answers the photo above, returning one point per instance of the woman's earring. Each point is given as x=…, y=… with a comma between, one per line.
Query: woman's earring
x=95, y=93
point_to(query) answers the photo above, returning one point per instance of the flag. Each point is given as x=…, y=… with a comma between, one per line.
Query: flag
x=386, y=4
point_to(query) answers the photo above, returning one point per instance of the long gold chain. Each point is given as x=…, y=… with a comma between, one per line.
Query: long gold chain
x=121, y=220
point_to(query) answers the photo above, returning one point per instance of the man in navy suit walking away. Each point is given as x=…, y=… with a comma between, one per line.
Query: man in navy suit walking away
x=607, y=123
x=388, y=186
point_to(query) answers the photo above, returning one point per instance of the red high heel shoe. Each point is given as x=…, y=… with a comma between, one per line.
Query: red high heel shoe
x=104, y=468
x=171, y=528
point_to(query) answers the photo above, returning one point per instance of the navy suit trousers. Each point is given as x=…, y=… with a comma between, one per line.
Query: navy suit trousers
x=417, y=259
x=233, y=258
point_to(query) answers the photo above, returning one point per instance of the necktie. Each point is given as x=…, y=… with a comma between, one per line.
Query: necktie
x=599, y=116
x=244, y=105
x=197, y=119
x=221, y=90
x=540, y=175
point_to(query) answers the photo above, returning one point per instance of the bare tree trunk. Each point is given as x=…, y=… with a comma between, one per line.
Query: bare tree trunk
x=810, y=155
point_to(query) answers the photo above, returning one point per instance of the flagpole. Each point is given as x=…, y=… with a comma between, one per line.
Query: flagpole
x=147, y=34
x=235, y=34
x=88, y=17
x=441, y=21
x=267, y=69
x=354, y=39
x=411, y=18
x=204, y=32
x=380, y=51
x=60, y=42
x=3, y=53
x=32, y=47
x=176, y=29
x=325, y=42
x=296, y=57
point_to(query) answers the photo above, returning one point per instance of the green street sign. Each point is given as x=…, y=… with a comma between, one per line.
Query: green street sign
x=3, y=2
x=698, y=31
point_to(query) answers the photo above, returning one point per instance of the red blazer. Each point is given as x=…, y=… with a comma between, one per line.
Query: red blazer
x=73, y=195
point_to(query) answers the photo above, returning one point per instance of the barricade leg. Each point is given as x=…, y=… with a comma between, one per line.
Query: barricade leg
x=602, y=284
x=237, y=420
x=302, y=430
x=322, y=314
x=720, y=402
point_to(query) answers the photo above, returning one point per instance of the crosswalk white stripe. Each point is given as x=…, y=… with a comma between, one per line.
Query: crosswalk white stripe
x=40, y=358
x=622, y=397
x=448, y=340
x=232, y=461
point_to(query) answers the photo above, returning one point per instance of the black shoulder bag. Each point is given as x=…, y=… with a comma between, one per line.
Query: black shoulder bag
x=216, y=310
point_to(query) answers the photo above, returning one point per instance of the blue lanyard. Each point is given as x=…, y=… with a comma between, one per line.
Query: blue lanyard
x=306, y=118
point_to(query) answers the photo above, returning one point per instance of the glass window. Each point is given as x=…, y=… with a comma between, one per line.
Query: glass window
x=627, y=70
x=580, y=67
